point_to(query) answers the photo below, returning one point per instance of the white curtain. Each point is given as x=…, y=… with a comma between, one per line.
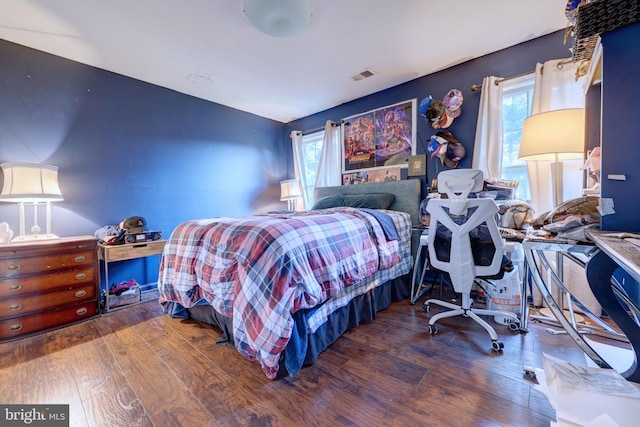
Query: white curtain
x=487, y=148
x=555, y=88
x=298, y=160
x=330, y=165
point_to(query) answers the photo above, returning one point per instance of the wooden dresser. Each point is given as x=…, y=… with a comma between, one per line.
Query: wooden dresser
x=46, y=284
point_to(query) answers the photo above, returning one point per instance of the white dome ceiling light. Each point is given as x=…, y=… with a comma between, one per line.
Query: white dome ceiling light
x=278, y=18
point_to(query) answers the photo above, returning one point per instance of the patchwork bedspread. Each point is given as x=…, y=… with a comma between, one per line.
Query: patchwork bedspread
x=261, y=269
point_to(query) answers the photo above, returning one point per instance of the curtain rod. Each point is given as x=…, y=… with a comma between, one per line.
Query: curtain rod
x=504, y=79
x=316, y=129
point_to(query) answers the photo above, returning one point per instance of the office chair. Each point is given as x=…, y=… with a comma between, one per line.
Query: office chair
x=464, y=242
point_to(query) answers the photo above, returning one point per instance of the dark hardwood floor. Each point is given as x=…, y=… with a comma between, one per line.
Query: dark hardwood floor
x=136, y=366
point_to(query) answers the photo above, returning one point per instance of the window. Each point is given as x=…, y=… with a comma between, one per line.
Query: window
x=517, y=98
x=311, y=148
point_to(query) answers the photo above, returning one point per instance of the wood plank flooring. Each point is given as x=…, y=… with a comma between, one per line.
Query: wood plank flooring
x=138, y=367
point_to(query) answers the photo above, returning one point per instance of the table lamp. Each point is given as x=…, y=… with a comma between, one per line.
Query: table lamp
x=554, y=136
x=31, y=183
x=290, y=191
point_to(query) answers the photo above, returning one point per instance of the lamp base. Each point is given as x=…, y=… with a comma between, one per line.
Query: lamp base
x=33, y=237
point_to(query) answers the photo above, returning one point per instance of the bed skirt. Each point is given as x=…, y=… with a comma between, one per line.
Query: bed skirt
x=304, y=347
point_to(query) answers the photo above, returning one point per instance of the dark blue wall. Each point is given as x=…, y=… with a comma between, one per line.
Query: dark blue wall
x=620, y=127
x=125, y=147
x=508, y=62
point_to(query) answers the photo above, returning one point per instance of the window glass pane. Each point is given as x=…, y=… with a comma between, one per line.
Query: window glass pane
x=516, y=106
x=312, y=147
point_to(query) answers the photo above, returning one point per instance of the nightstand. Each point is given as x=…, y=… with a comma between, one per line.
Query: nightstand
x=46, y=284
x=113, y=253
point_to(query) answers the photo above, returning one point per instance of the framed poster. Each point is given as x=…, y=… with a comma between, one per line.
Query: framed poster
x=417, y=165
x=353, y=178
x=380, y=138
x=384, y=174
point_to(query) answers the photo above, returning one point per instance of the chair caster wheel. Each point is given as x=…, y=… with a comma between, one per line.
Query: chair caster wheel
x=514, y=326
x=433, y=329
x=425, y=308
x=530, y=373
x=497, y=345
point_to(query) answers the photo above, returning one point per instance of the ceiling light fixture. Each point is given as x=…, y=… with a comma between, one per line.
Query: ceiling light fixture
x=200, y=78
x=278, y=18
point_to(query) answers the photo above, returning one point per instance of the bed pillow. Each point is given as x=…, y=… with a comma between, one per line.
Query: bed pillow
x=369, y=201
x=329, y=202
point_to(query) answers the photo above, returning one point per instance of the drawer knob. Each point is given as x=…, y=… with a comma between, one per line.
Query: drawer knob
x=15, y=307
x=81, y=311
x=15, y=327
x=80, y=258
x=81, y=276
x=15, y=287
x=14, y=267
x=81, y=293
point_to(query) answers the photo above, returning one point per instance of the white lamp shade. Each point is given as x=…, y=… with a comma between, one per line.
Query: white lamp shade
x=289, y=189
x=553, y=135
x=278, y=18
x=29, y=182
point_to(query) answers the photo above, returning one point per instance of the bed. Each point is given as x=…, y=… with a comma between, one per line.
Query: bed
x=282, y=287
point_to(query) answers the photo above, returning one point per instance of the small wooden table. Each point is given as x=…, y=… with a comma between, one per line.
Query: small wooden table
x=127, y=251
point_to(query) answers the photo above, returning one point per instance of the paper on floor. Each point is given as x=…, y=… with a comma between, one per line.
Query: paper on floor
x=588, y=396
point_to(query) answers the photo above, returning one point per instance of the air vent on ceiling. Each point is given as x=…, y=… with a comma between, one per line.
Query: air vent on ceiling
x=362, y=75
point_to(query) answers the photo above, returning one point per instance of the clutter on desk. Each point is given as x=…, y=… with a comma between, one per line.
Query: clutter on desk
x=515, y=214
x=582, y=207
x=129, y=230
x=588, y=396
x=110, y=235
x=499, y=189
x=570, y=219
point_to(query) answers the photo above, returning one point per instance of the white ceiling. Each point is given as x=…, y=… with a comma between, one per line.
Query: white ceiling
x=209, y=49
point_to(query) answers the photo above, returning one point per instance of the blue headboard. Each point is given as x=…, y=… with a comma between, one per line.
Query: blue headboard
x=408, y=194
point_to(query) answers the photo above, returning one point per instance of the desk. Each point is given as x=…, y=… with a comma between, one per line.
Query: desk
x=614, y=253
x=600, y=260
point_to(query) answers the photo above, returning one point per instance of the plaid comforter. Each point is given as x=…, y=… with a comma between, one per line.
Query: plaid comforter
x=259, y=270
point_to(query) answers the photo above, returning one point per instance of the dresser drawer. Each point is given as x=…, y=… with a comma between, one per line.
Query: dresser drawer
x=46, y=247
x=130, y=250
x=11, y=267
x=17, y=286
x=11, y=328
x=22, y=305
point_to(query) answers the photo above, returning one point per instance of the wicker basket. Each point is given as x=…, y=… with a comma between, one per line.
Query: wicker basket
x=597, y=17
x=600, y=16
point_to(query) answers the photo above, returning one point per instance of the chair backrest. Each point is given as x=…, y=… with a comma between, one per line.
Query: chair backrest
x=463, y=234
